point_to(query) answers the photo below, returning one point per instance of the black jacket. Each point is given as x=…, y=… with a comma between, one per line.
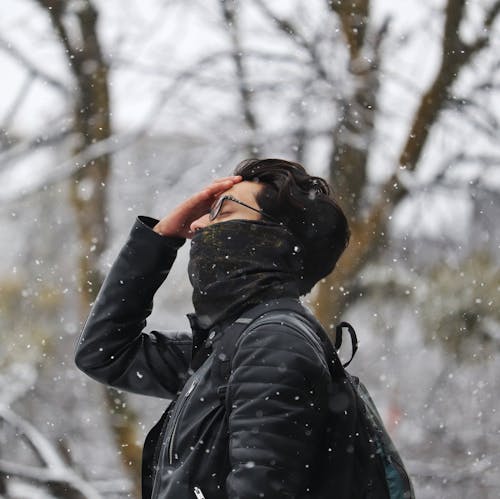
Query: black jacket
x=266, y=442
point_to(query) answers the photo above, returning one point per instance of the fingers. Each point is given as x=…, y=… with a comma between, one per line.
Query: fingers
x=201, y=200
x=220, y=185
x=223, y=183
x=177, y=223
x=232, y=178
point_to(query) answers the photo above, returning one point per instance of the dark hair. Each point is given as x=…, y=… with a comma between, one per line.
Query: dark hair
x=305, y=205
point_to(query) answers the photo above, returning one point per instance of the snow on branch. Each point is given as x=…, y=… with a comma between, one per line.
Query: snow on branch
x=15, y=188
x=54, y=472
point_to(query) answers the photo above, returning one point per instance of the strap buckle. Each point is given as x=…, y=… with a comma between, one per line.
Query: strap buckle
x=339, y=330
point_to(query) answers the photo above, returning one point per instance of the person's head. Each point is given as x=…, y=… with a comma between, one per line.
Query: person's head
x=282, y=191
x=305, y=205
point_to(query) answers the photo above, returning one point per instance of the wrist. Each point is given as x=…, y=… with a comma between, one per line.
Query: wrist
x=165, y=231
x=157, y=229
x=153, y=226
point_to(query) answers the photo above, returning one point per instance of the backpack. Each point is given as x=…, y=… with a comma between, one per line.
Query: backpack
x=360, y=459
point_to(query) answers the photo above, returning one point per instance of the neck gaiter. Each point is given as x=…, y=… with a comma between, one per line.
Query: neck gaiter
x=239, y=263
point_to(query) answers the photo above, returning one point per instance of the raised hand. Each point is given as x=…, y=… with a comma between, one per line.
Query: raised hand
x=177, y=222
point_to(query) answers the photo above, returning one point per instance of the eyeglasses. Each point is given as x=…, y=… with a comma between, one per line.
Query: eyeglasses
x=214, y=212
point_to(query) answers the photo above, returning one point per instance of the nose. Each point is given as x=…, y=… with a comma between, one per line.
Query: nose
x=199, y=223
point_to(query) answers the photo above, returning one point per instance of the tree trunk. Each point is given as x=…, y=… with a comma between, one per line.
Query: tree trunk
x=352, y=138
x=88, y=193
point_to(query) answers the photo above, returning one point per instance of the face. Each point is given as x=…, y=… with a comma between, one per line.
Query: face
x=245, y=192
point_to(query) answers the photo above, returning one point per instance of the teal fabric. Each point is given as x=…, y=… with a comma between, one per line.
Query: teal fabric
x=398, y=482
x=396, y=486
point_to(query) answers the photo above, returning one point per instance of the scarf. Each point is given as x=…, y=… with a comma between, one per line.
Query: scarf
x=236, y=264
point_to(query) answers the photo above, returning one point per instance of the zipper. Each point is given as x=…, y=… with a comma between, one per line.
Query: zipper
x=174, y=416
x=176, y=421
x=198, y=493
x=156, y=456
x=173, y=422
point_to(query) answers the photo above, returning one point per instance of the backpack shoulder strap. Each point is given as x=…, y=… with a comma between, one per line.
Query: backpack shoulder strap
x=289, y=309
x=226, y=345
x=224, y=350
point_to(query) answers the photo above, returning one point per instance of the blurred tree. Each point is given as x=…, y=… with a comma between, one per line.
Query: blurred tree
x=317, y=67
x=88, y=183
x=230, y=15
x=352, y=136
x=357, y=109
x=53, y=472
x=464, y=314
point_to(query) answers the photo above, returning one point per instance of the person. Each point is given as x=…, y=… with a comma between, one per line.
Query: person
x=270, y=231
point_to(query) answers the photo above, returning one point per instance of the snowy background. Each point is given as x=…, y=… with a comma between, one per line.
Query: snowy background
x=194, y=87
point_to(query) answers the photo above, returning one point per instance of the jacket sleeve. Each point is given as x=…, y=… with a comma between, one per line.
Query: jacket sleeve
x=277, y=397
x=113, y=348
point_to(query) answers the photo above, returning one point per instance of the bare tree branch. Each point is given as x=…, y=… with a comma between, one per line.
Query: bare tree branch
x=354, y=18
x=68, y=167
x=455, y=55
x=484, y=160
x=485, y=39
x=54, y=471
x=8, y=48
x=17, y=151
x=14, y=108
x=40, y=445
x=287, y=27
x=56, y=9
x=190, y=72
x=229, y=8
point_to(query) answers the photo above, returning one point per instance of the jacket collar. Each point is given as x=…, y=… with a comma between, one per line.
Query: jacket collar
x=202, y=340
x=203, y=337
